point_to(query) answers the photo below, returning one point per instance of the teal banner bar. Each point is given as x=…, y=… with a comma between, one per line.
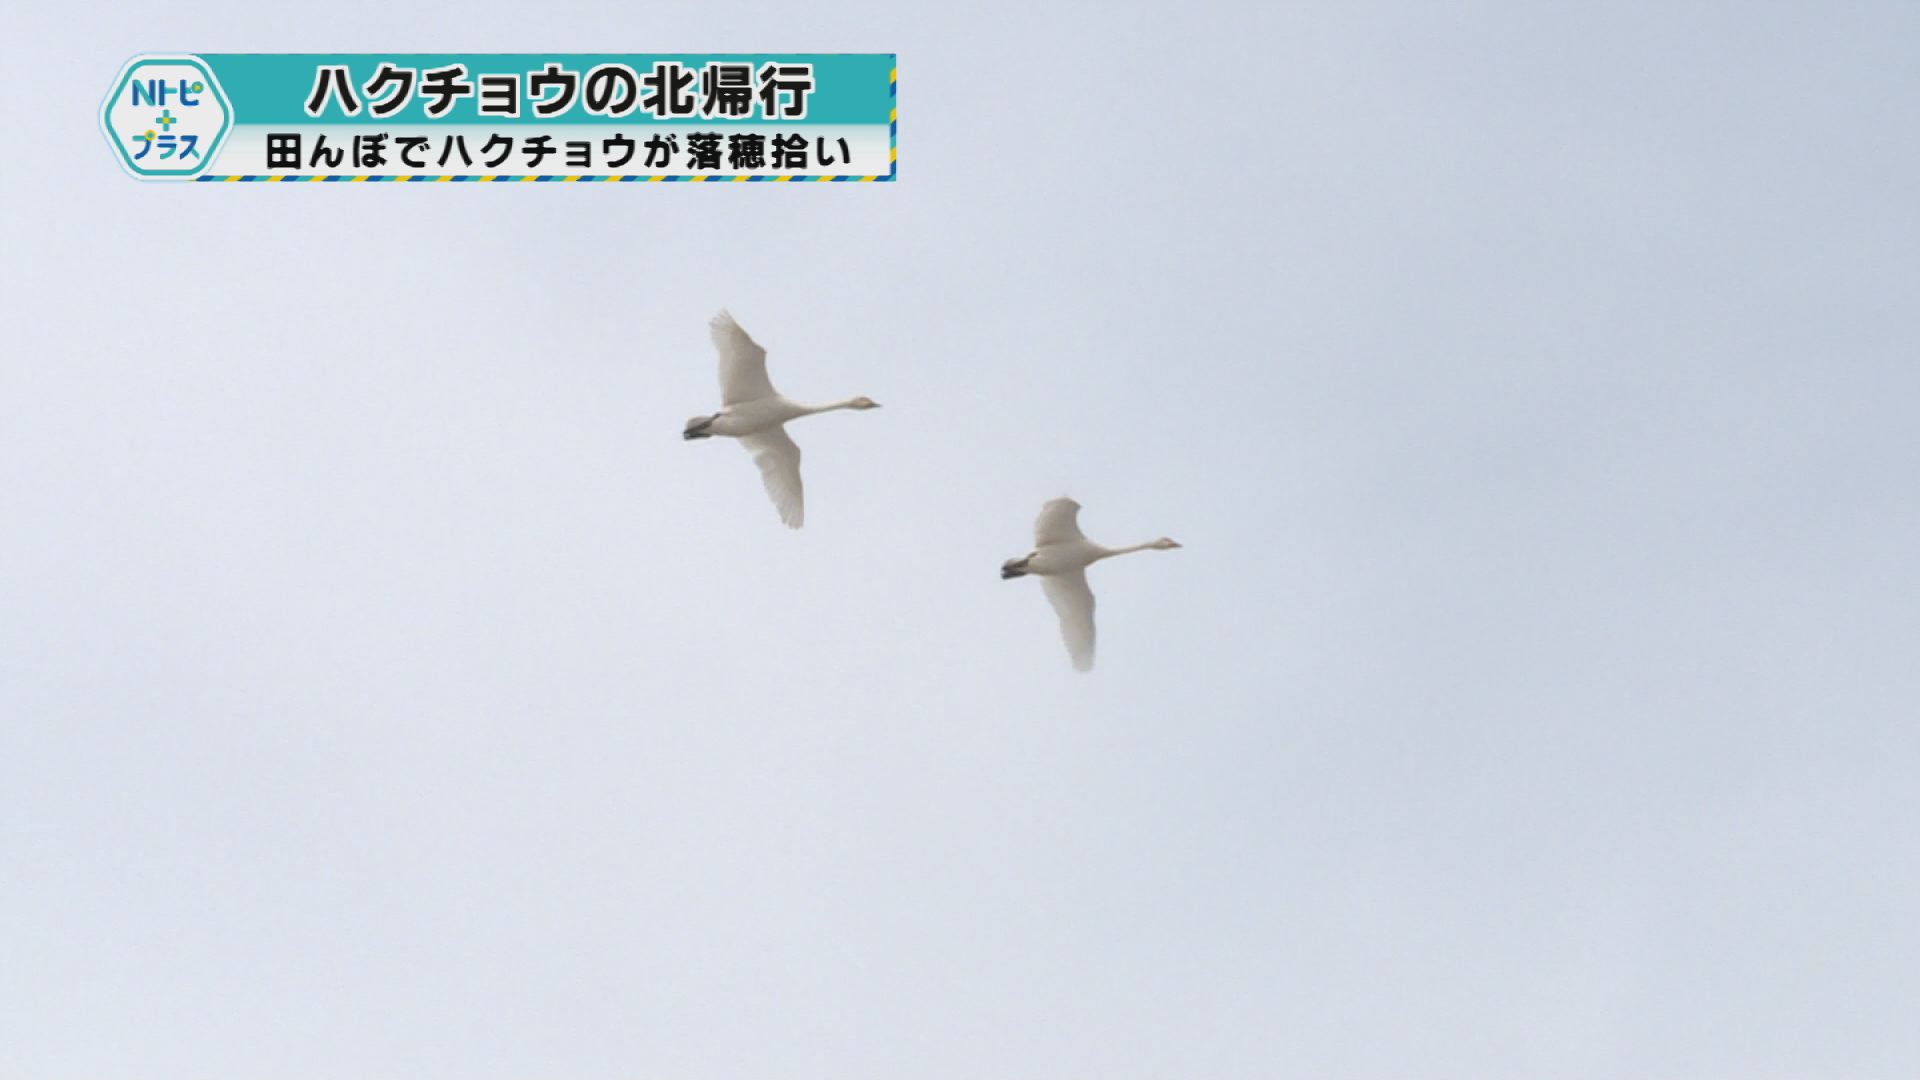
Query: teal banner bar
x=275, y=88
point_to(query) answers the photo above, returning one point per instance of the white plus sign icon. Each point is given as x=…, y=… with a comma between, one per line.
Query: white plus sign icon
x=166, y=117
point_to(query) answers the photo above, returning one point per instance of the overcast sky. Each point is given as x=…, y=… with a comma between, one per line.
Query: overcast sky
x=387, y=691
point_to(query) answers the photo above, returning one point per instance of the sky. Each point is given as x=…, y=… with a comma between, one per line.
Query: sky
x=386, y=690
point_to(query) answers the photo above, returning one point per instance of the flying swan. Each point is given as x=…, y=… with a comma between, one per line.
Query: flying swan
x=1060, y=557
x=753, y=412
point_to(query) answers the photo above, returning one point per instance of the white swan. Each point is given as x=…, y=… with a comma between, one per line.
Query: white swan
x=755, y=413
x=1060, y=557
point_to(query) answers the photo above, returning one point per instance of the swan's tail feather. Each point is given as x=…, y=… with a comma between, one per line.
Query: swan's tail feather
x=1014, y=568
x=697, y=428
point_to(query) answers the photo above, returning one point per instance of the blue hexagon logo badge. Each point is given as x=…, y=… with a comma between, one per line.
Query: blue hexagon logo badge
x=166, y=117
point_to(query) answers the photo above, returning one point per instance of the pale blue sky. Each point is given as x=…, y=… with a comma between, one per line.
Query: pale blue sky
x=387, y=691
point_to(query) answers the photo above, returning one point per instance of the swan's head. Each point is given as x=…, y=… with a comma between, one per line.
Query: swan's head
x=1163, y=544
x=863, y=403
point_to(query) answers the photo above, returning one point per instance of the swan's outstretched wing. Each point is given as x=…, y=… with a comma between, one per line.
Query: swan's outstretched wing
x=1073, y=602
x=1058, y=523
x=743, y=364
x=779, y=459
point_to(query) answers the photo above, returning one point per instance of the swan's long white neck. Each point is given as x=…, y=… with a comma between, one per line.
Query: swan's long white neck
x=815, y=410
x=1108, y=553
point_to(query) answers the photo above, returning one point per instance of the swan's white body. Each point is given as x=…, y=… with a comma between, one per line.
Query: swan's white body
x=1060, y=557
x=753, y=412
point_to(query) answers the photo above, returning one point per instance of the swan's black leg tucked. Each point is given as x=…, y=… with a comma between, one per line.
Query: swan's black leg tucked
x=1014, y=568
x=697, y=428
